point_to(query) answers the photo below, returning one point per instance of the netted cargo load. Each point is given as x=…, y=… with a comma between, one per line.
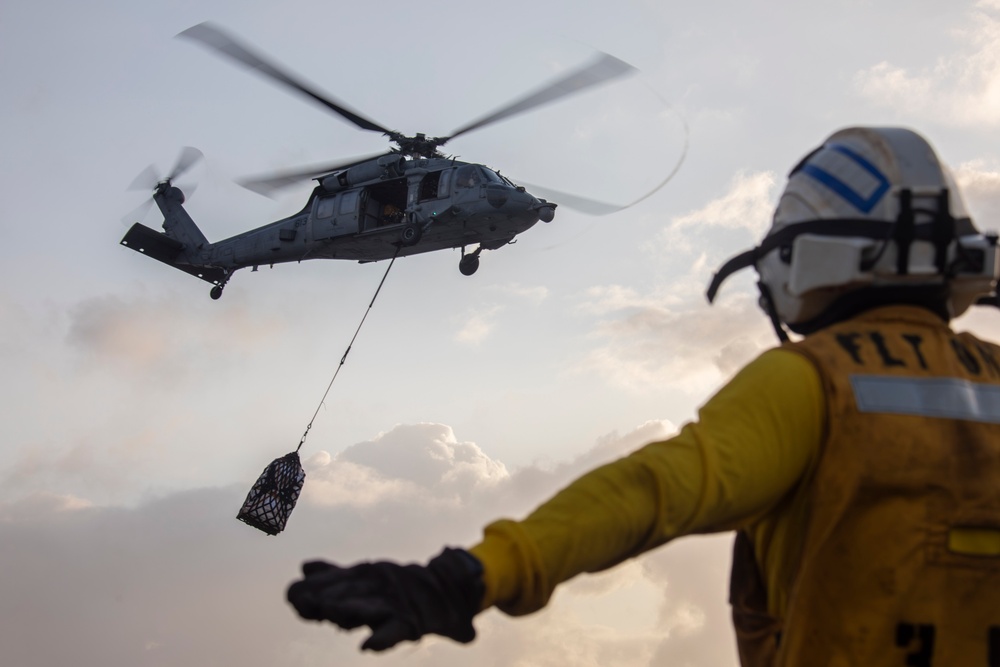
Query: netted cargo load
x=273, y=496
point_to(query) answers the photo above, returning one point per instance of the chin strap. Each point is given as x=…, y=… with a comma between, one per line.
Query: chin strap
x=767, y=304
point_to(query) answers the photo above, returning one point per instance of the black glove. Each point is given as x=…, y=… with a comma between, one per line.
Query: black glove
x=396, y=601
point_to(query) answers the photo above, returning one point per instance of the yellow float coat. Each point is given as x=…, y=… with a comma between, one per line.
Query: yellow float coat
x=853, y=528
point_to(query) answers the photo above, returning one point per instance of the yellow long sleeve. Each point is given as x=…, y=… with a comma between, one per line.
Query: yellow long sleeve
x=753, y=441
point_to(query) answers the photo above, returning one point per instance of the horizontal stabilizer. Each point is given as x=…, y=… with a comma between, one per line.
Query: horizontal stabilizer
x=167, y=250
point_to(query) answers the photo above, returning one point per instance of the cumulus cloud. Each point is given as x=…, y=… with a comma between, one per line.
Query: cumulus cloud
x=692, y=577
x=979, y=181
x=606, y=299
x=534, y=295
x=702, y=239
x=959, y=89
x=177, y=580
x=403, y=462
x=668, y=335
x=748, y=205
x=477, y=325
x=651, y=344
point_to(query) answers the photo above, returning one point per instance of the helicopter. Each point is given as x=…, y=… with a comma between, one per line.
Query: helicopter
x=412, y=199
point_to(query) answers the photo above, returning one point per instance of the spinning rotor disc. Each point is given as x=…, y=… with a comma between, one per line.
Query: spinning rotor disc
x=602, y=69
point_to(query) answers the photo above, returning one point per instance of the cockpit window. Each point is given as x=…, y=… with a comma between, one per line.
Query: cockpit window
x=492, y=176
x=468, y=176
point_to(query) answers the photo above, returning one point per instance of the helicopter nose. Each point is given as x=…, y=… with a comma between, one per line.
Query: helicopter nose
x=497, y=196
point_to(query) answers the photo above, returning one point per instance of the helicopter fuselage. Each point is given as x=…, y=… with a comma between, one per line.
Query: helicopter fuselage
x=382, y=208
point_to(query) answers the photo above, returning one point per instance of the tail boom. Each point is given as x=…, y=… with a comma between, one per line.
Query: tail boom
x=170, y=251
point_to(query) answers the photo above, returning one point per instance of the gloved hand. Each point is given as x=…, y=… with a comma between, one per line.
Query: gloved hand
x=396, y=601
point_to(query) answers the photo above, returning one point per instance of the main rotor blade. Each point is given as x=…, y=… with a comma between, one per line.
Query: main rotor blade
x=187, y=159
x=269, y=184
x=605, y=68
x=575, y=202
x=589, y=206
x=214, y=38
x=594, y=207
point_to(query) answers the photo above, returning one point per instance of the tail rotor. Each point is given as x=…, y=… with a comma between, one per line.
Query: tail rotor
x=149, y=180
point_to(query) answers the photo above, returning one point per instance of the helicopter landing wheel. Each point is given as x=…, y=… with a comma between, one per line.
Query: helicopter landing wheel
x=216, y=292
x=468, y=264
x=410, y=235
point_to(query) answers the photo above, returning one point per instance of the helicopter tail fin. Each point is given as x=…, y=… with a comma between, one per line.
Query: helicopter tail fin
x=168, y=250
x=177, y=224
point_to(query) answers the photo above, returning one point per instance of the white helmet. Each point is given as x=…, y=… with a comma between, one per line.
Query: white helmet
x=871, y=216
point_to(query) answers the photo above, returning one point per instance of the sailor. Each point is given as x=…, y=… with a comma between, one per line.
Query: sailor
x=858, y=462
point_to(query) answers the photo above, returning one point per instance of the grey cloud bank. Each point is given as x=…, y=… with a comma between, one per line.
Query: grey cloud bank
x=179, y=580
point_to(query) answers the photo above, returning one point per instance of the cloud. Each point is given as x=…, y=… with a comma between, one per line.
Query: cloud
x=534, y=295
x=748, y=204
x=669, y=335
x=177, y=580
x=344, y=483
x=479, y=322
x=405, y=462
x=40, y=505
x=114, y=395
x=117, y=587
x=606, y=299
x=692, y=577
x=649, y=344
x=166, y=337
x=961, y=89
x=478, y=325
x=979, y=181
x=85, y=461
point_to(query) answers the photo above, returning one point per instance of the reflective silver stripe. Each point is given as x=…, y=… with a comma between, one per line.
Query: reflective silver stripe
x=949, y=398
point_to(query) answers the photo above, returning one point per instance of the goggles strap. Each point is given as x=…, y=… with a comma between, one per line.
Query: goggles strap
x=904, y=231
x=942, y=231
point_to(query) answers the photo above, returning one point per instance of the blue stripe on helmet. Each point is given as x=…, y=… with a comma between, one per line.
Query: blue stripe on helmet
x=853, y=197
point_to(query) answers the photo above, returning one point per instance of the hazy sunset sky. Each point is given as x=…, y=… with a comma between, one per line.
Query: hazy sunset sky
x=137, y=412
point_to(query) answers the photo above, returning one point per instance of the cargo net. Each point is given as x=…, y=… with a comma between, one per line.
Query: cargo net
x=272, y=498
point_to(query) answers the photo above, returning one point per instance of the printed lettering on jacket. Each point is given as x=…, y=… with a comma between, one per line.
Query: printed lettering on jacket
x=899, y=561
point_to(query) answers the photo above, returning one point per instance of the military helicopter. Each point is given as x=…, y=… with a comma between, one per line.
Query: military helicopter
x=411, y=199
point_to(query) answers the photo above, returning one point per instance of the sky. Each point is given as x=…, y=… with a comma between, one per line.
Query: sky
x=137, y=412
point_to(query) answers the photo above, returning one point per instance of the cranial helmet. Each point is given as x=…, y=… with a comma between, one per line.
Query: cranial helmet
x=871, y=216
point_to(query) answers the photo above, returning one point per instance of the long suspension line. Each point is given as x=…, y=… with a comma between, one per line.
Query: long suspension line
x=347, y=351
